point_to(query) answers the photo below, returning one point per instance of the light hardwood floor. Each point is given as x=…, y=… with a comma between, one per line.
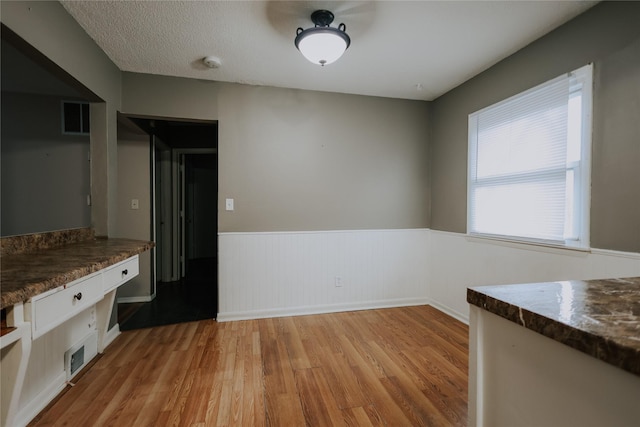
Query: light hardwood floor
x=396, y=367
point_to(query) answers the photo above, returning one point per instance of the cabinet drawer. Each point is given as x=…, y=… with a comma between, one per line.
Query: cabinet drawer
x=53, y=308
x=120, y=273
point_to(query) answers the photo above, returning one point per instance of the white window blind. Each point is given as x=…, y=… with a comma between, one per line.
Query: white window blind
x=528, y=164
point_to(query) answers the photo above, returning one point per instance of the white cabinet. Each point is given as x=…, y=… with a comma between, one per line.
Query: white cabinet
x=16, y=347
x=45, y=312
x=50, y=309
x=518, y=377
x=120, y=273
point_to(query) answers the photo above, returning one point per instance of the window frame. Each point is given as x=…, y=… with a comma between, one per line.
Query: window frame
x=581, y=81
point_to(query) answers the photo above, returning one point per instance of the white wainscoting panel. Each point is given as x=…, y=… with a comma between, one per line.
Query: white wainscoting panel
x=458, y=262
x=46, y=376
x=274, y=274
x=292, y=273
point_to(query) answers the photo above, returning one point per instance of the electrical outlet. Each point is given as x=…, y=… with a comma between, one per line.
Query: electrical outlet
x=338, y=281
x=135, y=204
x=229, y=204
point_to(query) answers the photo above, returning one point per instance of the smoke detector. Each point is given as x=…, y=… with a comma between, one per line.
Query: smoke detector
x=212, y=61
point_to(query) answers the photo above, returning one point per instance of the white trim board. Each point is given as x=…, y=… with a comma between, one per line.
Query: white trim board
x=447, y=310
x=359, y=231
x=317, y=309
x=30, y=410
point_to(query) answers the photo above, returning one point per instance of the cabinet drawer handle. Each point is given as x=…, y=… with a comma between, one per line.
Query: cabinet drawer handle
x=125, y=272
x=78, y=296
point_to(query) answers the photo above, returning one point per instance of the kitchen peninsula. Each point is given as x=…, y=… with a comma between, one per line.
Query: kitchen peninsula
x=555, y=354
x=57, y=294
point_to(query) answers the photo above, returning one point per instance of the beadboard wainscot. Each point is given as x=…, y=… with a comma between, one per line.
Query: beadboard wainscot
x=458, y=261
x=268, y=274
x=57, y=294
x=271, y=274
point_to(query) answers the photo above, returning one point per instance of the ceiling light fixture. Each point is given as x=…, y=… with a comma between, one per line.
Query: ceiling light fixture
x=322, y=44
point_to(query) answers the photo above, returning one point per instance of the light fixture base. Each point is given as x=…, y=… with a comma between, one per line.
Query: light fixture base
x=212, y=61
x=322, y=18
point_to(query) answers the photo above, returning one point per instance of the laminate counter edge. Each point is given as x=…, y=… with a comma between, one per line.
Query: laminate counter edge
x=28, y=274
x=598, y=317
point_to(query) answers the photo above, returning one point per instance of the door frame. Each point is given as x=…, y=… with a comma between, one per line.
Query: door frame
x=161, y=210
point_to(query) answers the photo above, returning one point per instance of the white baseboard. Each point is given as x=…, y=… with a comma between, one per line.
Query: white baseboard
x=319, y=309
x=111, y=335
x=453, y=313
x=33, y=408
x=129, y=300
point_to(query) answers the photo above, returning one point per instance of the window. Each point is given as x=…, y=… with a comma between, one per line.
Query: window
x=529, y=164
x=75, y=118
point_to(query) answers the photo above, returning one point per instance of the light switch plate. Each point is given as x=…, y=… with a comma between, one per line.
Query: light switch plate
x=135, y=204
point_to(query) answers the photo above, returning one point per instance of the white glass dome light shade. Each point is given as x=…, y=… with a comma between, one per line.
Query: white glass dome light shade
x=322, y=46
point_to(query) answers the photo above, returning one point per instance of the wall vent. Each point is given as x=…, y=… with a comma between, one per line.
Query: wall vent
x=77, y=360
x=75, y=118
x=77, y=356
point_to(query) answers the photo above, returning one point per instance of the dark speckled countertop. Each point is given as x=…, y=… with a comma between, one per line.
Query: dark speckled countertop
x=598, y=317
x=30, y=273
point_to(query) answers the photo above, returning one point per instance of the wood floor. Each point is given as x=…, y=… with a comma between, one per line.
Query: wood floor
x=395, y=367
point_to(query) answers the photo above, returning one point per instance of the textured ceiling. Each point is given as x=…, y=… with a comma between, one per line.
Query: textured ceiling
x=411, y=50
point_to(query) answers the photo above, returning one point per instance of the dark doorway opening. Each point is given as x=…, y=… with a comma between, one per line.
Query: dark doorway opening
x=185, y=182
x=200, y=213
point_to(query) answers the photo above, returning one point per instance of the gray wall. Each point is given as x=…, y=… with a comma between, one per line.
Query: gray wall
x=299, y=160
x=134, y=172
x=607, y=35
x=302, y=160
x=48, y=27
x=381, y=142
x=45, y=174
